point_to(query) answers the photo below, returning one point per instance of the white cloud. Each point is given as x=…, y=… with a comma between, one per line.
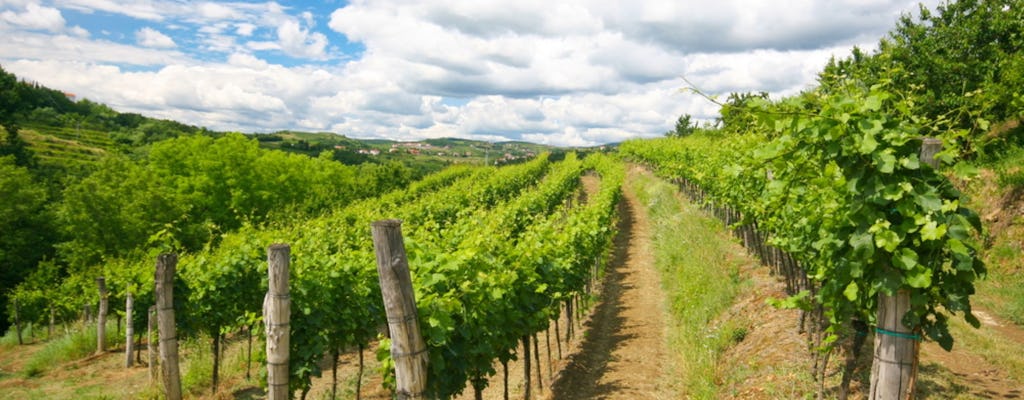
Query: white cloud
x=147, y=10
x=35, y=16
x=149, y=37
x=297, y=41
x=245, y=29
x=573, y=72
x=33, y=46
x=79, y=31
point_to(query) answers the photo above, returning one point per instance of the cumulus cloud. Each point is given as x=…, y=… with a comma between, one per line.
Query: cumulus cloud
x=149, y=37
x=33, y=46
x=575, y=72
x=35, y=16
x=297, y=41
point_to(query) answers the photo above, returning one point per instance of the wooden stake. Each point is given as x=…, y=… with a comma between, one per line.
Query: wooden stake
x=129, y=331
x=526, y=367
x=101, y=317
x=896, y=349
x=150, y=347
x=276, y=317
x=49, y=331
x=17, y=322
x=165, y=266
x=408, y=350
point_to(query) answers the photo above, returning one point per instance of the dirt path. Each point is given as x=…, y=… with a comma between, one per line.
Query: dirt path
x=624, y=354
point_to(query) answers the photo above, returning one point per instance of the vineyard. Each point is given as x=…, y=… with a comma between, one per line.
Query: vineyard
x=859, y=239
x=496, y=255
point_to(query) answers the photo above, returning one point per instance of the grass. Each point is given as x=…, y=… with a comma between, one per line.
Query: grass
x=692, y=255
x=80, y=343
x=197, y=367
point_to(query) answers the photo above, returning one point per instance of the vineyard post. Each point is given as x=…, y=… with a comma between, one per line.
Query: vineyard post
x=165, y=266
x=149, y=342
x=49, y=330
x=17, y=322
x=408, y=350
x=129, y=330
x=277, y=317
x=894, y=368
x=101, y=317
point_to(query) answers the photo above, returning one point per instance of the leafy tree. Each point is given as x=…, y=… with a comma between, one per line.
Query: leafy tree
x=25, y=233
x=685, y=126
x=113, y=211
x=962, y=64
x=11, y=144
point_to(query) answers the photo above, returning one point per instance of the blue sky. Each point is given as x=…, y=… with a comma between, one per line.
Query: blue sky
x=572, y=72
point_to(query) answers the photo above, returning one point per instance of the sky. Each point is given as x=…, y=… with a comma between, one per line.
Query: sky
x=564, y=72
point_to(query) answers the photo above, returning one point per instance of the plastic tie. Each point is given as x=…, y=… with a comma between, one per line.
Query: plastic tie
x=900, y=335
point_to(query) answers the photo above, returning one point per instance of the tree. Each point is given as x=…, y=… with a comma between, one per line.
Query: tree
x=685, y=126
x=24, y=229
x=11, y=144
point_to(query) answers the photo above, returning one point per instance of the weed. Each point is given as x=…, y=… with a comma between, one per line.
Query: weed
x=691, y=253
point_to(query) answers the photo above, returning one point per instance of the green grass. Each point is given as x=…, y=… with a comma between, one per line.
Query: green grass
x=80, y=343
x=692, y=254
x=1009, y=168
x=197, y=366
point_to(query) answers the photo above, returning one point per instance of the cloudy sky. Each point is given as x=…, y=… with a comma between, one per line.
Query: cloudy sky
x=562, y=72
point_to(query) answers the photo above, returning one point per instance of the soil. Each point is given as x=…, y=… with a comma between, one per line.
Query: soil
x=624, y=354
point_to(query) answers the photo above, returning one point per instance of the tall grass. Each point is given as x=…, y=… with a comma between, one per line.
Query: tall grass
x=693, y=256
x=79, y=343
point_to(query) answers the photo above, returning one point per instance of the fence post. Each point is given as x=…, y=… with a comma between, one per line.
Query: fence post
x=408, y=350
x=101, y=317
x=276, y=317
x=149, y=342
x=894, y=368
x=165, y=266
x=17, y=322
x=129, y=330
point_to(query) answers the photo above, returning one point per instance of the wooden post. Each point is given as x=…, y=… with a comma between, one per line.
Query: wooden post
x=49, y=331
x=894, y=368
x=165, y=265
x=149, y=343
x=17, y=322
x=129, y=331
x=101, y=317
x=408, y=350
x=929, y=148
x=276, y=317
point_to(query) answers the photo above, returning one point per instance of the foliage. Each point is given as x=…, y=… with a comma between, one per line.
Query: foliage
x=684, y=127
x=961, y=63
x=850, y=198
x=25, y=230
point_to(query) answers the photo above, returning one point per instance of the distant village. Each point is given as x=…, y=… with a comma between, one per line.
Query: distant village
x=420, y=148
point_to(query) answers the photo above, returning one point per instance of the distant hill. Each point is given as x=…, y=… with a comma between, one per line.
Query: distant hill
x=69, y=134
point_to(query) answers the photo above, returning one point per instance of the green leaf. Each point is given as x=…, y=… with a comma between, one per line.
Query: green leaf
x=919, y=277
x=887, y=240
x=910, y=162
x=851, y=291
x=965, y=171
x=885, y=162
x=958, y=247
x=868, y=144
x=932, y=231
x=863, y=246
x=905, y=259
x=872, y=103
x=929, y=201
